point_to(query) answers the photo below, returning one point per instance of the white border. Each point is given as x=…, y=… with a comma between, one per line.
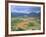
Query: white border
x=23, y=32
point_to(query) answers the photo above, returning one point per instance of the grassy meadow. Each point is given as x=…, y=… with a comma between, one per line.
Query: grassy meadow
x=25, y=23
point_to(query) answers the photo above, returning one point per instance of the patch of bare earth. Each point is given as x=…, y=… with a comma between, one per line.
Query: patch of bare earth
x=22, y=25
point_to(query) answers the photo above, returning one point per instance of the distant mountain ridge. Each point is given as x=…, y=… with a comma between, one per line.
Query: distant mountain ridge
x=22, y=14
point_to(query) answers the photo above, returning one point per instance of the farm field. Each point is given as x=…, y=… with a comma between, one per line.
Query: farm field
x=25, y=23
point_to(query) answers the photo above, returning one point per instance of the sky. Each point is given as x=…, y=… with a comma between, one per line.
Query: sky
x=24, y=9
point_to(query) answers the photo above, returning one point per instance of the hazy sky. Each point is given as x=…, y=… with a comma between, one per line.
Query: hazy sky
x=25, y=9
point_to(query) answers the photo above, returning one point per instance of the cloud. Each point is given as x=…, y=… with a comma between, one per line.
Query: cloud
x=25, y=11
